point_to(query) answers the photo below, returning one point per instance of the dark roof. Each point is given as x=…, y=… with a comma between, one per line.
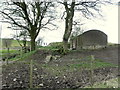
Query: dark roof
x=93, y=31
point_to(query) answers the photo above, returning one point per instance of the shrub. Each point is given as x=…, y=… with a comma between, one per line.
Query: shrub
x=56, y=45
x=59, y=47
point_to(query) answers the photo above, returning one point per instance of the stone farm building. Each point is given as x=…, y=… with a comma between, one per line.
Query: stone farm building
x=89, y=39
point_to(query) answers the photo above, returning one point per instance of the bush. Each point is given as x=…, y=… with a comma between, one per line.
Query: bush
x=56, y=45
x=59, y=47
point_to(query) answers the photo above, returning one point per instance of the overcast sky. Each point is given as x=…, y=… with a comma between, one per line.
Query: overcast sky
x=107, y=24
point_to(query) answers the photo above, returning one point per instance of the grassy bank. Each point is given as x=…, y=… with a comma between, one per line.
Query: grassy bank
x=14, y=43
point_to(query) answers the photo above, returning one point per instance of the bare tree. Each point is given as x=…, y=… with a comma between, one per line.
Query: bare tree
x=40, y=41
x=77, y=31
x=31, y=16
x=24, y=35
x=22, y=38
x=87, y=9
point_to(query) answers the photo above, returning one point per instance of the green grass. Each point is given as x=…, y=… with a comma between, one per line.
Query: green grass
x=112, y=83
x=47, y=48
x=22, y=56
x=15, y=44
x=11, y=51
x=96, y=64
x=62, y=69
x=4, y=53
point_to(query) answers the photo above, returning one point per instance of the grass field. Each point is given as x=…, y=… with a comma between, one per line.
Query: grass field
x=14, y=44
x=4, y=53
x=20, y=56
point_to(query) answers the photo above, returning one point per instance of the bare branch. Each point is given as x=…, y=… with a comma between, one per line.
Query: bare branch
x=63, y=14
x=14, y=22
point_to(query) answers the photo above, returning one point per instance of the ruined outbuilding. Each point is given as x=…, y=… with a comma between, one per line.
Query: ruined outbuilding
x=89, y=39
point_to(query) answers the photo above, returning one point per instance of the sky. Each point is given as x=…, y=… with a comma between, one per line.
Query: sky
x=108, y=24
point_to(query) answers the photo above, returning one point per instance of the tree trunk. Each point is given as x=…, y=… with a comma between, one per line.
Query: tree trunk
x=33, y=37
x=68, y=30
x=24, y=46
x=65, y=44
x=68, y=23
x=33, y=44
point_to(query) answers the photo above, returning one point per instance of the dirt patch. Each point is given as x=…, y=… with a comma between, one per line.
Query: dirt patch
x=109, y=54
x=17, y=74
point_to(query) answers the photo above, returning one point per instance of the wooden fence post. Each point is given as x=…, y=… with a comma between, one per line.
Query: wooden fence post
x=8, y=54
x=31, y=74
x=21, y=52
x=92, y=70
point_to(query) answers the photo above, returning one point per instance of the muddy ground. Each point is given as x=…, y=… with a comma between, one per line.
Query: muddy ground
x=17, y=75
